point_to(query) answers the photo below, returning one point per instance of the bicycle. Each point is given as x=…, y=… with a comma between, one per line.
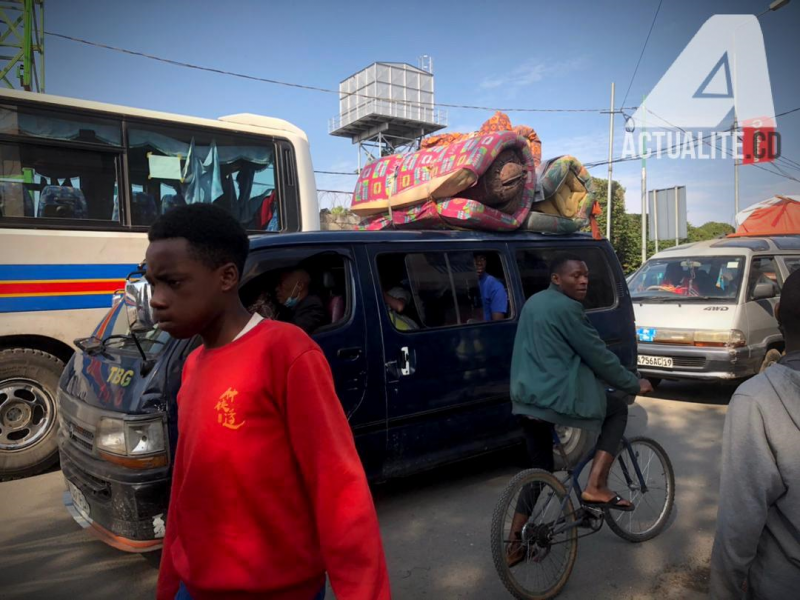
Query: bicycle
x=551, y=529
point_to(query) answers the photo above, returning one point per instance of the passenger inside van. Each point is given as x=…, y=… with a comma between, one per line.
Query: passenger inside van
x=300, y=306
x=310, y=293
x=494, y=297
x=397, y=299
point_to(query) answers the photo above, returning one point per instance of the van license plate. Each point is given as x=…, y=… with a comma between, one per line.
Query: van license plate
x=78, y=499
x=665, y=362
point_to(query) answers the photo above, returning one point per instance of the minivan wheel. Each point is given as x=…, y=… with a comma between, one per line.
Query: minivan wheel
x=770, y=359
x=28, y=411
x=577, y=444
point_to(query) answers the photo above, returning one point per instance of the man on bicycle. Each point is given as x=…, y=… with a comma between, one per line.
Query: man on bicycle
x=559, y=374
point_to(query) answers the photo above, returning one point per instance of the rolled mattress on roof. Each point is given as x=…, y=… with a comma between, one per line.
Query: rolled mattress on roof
x=483, y=182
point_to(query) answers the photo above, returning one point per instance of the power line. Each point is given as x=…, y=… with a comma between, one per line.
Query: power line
x=314, y=88
x=336, y=173
x=641, y=54
x=702, y=139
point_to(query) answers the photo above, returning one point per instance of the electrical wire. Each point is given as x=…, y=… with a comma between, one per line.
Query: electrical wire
x=641, y=54
x=315, y=88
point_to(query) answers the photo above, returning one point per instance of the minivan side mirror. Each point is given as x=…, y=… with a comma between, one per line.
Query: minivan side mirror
x=137, y=306
x=764, y=291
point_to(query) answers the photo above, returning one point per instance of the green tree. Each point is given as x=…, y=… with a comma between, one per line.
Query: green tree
x=709, y=231
x=625, y=228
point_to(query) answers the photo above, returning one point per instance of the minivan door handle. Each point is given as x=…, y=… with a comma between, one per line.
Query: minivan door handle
x=405, y=361
x=348, y=353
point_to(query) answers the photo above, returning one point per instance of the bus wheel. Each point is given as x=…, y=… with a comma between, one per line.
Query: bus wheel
x=28, y=411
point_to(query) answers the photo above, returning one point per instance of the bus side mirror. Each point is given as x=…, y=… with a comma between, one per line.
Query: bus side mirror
x=764, y=291
x=137, y=306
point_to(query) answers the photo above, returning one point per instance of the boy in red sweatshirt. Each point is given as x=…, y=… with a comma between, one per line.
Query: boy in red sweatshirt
x=268, y=493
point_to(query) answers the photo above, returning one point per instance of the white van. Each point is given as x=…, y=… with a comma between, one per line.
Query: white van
x=707, y=310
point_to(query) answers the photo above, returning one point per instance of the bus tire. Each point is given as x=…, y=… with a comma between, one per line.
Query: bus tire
x=28, y=411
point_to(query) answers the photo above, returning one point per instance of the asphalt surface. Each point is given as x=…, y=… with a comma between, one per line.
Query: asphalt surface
x=435, y=526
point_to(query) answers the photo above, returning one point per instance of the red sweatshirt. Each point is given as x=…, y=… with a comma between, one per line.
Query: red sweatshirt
x=268, y=492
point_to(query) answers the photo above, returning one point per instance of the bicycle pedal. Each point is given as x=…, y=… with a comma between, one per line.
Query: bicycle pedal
x=592, y=518
x=595, y=513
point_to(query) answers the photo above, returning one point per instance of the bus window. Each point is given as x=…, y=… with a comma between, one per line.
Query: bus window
x=170, y=167
x=48, y=182
x=52, y=125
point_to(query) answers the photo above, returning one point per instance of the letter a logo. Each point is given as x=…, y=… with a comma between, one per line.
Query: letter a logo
x=723, y=67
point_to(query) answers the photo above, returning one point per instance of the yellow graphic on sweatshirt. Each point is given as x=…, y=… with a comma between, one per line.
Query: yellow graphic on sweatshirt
x=227, y=411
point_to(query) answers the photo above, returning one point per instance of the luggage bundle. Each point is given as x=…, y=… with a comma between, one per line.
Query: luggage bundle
x=491, y=180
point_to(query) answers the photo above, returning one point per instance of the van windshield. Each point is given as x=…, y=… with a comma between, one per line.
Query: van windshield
x=716, y=278
x=115, y=333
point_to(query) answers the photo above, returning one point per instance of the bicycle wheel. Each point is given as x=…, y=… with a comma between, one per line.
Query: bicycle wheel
x=547, y=543
x=654, y=506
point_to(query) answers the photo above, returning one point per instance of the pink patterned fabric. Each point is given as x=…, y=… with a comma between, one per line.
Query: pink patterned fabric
x=396, y=177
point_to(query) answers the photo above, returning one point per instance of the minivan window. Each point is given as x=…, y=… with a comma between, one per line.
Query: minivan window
x=717, y=278
x=440, y=289
x=534, y=270
x=792, y=263
x=325, y=304
x=764, y=269
x=116, y=333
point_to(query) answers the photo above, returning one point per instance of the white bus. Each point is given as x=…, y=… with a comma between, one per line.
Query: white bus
x=80, y=182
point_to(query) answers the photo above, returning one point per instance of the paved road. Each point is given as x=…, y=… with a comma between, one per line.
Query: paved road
x=435, y=526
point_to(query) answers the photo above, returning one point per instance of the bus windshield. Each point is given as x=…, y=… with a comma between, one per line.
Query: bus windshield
x=717, y=278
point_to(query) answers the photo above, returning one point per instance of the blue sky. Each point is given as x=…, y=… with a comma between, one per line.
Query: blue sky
x=489, y=53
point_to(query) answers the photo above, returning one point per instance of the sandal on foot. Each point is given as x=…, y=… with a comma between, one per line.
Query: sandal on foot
x=615, y=504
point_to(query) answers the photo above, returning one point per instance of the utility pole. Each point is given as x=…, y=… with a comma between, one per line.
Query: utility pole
x=644, y=187
x=610, y=158
x=655, y=217
x=677, y=213
x=22, y=35
x=735, y=164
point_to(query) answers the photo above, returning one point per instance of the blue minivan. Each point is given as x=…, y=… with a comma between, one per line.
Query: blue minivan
x=420, y=389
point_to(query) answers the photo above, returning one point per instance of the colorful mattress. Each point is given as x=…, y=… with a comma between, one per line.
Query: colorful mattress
x=430, y=188
x=498, y=122
x=564, y=201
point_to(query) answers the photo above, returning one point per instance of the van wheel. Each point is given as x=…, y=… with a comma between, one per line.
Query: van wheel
x=577, y=444
x=28, y=411
x=770, y=359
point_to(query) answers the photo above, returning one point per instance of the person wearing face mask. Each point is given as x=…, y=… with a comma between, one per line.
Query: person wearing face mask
x=300, y=308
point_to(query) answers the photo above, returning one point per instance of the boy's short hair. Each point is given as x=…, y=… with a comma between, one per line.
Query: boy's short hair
x=789, y=311
x=215, y=237
x=561, y=259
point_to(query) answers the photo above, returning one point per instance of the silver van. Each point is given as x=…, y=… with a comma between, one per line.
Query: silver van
x=706, y=310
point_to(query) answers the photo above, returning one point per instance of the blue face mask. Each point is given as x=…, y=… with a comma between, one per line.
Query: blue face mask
x=291, y=301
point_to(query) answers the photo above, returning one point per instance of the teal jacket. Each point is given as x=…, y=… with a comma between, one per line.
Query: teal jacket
x=560, y=362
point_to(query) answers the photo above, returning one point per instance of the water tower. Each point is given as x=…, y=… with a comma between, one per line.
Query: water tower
x=387, y=108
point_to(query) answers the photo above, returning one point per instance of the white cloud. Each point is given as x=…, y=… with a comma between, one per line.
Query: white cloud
x=532, y=71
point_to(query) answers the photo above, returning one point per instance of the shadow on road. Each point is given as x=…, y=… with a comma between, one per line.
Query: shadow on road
x=696, y=392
